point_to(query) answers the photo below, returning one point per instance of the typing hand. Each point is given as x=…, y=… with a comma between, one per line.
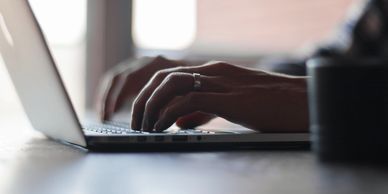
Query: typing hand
x=256, y=99
x=124, y=82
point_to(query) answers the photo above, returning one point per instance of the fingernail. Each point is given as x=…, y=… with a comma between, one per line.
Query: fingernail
x=134, y=125
x=145, y=125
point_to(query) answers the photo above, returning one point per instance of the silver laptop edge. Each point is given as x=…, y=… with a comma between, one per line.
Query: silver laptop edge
x=34, y=74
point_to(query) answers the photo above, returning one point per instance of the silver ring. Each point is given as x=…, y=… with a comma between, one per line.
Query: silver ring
x=197, y=81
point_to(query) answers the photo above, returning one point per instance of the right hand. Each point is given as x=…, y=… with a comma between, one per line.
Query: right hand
x=259, y=100
x=124, y=82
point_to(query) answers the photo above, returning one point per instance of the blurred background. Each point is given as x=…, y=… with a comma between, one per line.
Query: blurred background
x=88, y=37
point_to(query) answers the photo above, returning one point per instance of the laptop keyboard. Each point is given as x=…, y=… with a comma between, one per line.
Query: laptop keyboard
x=116, y=128
x=110, y=128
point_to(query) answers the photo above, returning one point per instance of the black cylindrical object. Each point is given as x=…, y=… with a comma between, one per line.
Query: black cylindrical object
x=348, y=105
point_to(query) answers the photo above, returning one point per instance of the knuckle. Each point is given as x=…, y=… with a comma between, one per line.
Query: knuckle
x=167, y=85
x=119, y=78
x=159, y=58
x=179, y=68
x=111, y=77
x=221, y=64
x=173, y=77
x=160, y=75
x=127, y=76
x=165, y=73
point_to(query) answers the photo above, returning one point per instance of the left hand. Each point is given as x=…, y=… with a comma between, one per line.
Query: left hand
x=255, y=99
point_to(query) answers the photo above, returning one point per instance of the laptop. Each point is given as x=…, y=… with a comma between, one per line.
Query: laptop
x=50, y=111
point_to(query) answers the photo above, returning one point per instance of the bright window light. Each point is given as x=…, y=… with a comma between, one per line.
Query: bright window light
x=166, y=24
x=64, y=22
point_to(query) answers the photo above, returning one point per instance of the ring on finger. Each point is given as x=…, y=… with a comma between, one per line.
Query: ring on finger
x=197, y=81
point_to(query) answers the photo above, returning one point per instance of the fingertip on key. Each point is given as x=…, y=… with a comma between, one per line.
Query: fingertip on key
x=134, y=124
x=158, y=126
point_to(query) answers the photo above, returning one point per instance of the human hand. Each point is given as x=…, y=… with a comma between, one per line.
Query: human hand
x=123, y=83
x=256, y=99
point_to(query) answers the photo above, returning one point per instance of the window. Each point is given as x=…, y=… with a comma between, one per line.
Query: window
x=244, y=26
x=167, y=24
x=64, y=24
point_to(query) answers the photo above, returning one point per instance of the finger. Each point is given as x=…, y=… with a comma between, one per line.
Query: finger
x=139, y=103
x=111, y=85
x=194, y=120
x=175, y=84
x=211, y=103
x=116, y=83
x=209, y=69
x=212, y=68
x=121, y=94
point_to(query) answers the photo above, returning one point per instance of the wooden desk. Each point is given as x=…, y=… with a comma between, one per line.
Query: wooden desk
x=30, y=163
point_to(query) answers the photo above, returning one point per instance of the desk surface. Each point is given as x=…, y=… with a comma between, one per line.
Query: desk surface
x=30, y=163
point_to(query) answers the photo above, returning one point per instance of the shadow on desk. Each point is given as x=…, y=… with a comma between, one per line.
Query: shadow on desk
x=43, y=166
